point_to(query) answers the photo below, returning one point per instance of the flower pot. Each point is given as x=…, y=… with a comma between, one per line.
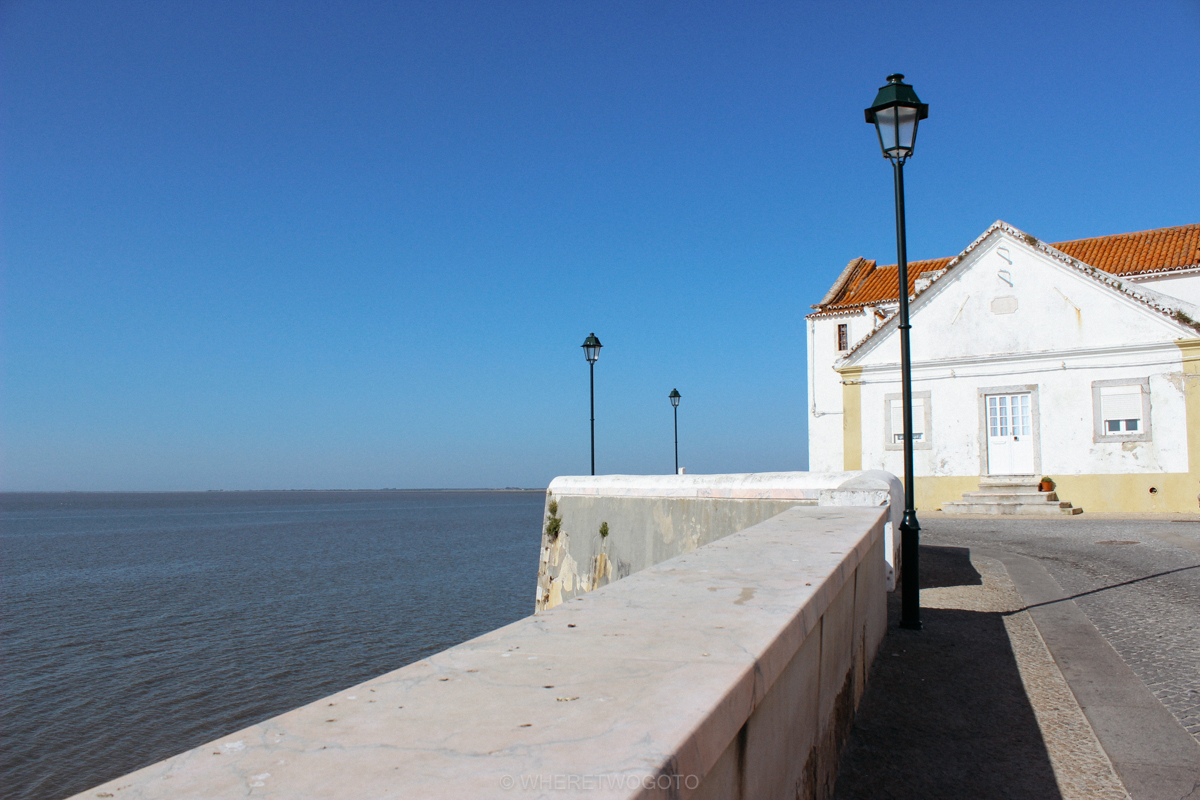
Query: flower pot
x=1046, y=486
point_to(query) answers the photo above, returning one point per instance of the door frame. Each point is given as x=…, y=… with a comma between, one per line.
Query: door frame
x=1034, y=409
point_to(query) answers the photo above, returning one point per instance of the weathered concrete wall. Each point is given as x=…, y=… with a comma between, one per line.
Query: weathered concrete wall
x=729, y=672
x=650, y=518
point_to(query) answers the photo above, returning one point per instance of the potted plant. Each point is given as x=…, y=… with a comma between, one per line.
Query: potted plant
x=1046, y=484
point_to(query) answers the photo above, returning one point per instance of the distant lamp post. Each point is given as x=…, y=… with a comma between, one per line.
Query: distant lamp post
x=674, y=397
x=895, y=114
x=591, y=351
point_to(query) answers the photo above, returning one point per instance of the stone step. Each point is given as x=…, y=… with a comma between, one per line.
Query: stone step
x=999, y=496
x=1060, y=508
x=1010, y=495
x=1009, y=479
x=995, y=483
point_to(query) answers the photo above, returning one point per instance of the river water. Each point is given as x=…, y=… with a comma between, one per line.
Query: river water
x=139, y=625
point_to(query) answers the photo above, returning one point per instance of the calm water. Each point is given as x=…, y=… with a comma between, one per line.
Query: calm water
x=136, y=626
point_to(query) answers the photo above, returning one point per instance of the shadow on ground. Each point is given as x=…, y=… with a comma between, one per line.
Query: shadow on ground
x=948, y=566
x=945, y=713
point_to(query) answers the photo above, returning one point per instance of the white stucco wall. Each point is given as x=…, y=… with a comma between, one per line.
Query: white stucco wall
x=825, y=389
x=1064, y=439
x=1185, y=287
x=1067, y=330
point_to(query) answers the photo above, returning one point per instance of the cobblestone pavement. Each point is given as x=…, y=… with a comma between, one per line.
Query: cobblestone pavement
x=1140, y=591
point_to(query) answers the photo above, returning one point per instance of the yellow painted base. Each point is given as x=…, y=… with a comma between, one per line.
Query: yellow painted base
x=1176, y=492
x=932, y=492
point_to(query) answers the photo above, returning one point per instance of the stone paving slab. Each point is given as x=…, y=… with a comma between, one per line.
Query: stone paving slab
x=1081, y=767
x=972, y=705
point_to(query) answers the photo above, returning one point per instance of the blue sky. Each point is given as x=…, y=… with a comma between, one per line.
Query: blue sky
x=357, y=245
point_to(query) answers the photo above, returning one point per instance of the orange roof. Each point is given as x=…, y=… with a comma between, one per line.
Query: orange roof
x=1161, y=250
x=1132, y=253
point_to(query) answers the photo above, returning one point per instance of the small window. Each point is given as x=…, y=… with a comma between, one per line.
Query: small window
x=894, y=421
x=918, y=433
x=843, y=336
x=1122, y=410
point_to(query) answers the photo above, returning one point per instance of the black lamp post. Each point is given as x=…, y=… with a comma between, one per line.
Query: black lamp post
x=895, y=114
x=674, y=397
x=591, y=351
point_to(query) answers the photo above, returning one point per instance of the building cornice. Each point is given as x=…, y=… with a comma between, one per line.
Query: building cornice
x=1091, y=358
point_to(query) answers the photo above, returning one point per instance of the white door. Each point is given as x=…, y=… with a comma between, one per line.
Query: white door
x=1010, y=435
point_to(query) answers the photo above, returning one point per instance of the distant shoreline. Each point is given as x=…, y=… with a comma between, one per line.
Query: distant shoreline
x=255, y=491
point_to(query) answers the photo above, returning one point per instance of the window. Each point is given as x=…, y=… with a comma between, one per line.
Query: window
x=1121, y=410
x=843, y=336
x=918, y=420
x=894, y=421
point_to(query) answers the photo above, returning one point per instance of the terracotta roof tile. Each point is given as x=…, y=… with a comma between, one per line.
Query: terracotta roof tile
x=1133, y=253
x=1159, y=250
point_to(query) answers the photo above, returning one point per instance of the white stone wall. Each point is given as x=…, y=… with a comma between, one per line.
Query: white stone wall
x=599, y=529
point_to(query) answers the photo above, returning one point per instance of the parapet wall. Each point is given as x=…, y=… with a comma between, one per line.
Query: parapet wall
x=729, y=672
x=650, y=518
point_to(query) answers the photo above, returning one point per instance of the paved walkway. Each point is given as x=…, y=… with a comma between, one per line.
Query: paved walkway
x=1051, y=653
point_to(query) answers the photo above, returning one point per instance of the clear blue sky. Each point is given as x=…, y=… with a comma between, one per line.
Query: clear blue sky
x=319, y=245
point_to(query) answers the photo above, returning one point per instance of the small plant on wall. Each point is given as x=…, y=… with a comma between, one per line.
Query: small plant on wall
x=554, y=523
x=603, y=529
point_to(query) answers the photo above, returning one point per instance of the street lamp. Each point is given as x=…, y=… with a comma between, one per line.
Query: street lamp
x=674, y=397
x=895, y=114
x=591, y=351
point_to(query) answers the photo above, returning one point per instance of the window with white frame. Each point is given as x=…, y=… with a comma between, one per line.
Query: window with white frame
x=1121, y=410
x=894, y=421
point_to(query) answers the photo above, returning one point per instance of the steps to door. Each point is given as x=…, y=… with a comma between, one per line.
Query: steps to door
x=1010, y=495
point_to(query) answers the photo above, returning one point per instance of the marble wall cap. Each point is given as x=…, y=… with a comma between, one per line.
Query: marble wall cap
x=749, y=485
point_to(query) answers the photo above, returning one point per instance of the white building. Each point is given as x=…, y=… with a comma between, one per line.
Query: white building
x=1078, y=360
